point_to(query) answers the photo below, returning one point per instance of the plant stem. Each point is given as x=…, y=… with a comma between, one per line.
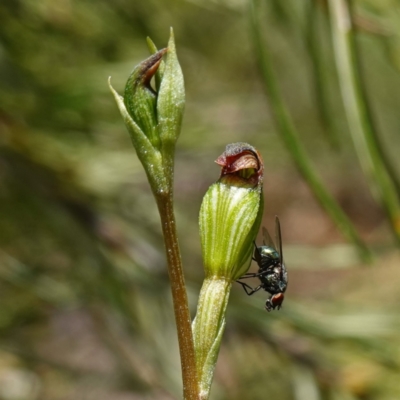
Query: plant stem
x=294, y=145
x=208, y=328
x=179, y=296
x=319, y=73
x=365, y=139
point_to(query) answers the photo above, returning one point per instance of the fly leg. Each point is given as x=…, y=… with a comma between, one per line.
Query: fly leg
x=249, y=275
x=248, y=289
x=256, y=252
x=255, y=274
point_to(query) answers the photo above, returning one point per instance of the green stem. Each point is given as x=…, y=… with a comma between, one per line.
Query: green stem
x=319, y=73
x=294, y=145
x=179, y=296
x=359, y=117
x=208, y=328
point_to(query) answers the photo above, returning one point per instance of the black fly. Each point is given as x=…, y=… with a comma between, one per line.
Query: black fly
x=271, y=269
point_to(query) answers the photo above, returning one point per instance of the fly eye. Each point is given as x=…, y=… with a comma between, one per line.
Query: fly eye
x=277, y=300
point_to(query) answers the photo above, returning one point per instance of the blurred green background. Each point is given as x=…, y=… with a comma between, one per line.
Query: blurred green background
x=85, y=306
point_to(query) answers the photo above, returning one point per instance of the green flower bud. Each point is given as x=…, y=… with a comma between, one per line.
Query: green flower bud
x=154, y=116
x=230, y=214
x=171, y=98
x=230, y=218
x=140, y=98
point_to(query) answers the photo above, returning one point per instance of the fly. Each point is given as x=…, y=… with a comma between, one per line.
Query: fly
x=271, y=269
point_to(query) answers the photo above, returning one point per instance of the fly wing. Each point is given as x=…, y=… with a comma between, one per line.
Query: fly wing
x=278, y=238
x=267, y=239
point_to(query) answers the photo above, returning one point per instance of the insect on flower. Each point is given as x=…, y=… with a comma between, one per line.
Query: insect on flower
x=271, y=269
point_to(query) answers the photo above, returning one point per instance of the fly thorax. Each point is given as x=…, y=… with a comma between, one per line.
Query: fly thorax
x=268, y=255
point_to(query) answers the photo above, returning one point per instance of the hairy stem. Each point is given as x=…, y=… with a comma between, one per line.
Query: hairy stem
x=179, y=296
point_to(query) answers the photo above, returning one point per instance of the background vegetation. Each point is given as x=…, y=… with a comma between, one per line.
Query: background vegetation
x=84, y=298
